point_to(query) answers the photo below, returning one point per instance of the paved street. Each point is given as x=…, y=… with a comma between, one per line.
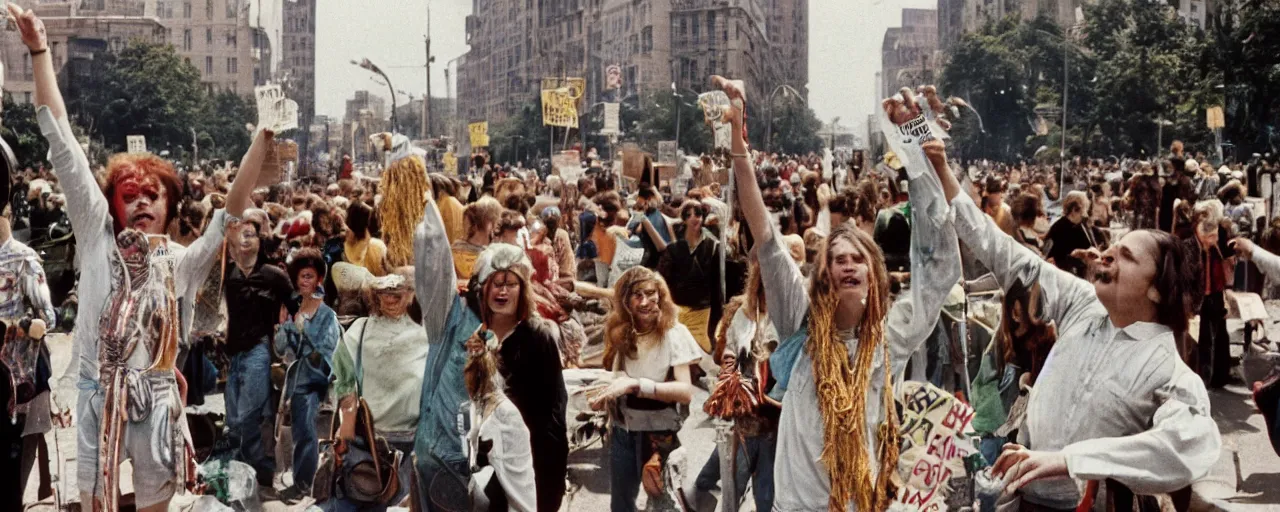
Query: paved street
x=1246, y=452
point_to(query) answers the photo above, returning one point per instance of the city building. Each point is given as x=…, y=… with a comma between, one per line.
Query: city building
x=909, y=54
x=74, y=40
x=214, y=35
x=515, y=44
x=366, y=114
x=297, y=73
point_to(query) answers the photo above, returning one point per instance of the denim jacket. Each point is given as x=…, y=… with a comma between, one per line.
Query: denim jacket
x=319, y=334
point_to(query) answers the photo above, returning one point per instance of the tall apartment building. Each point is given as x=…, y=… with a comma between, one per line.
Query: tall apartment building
x=74, y=40
x=909, y=54
x=366, y=114
x=514, y=44
x=213, y=35
x=297, y=70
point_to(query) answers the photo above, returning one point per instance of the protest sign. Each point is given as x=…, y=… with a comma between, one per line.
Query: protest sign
x=450, y=164
x=667, y=152
x=567, y=165
x=632, y=161
x=275, y=112
x=558, y=108
x=715, y=105
x=137, y=143
x=612, y=77
x=479, y=134
x=723, y=133
x=611, y=119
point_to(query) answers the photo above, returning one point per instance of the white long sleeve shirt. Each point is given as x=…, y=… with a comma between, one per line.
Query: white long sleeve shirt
x=1118, y=402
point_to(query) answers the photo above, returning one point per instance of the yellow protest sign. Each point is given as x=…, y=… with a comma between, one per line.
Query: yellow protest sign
x=558, y=108
x=479, y=134
x=450, y=164
x=1214, y=118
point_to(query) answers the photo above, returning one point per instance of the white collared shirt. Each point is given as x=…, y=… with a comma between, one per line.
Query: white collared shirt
x=1118, y=402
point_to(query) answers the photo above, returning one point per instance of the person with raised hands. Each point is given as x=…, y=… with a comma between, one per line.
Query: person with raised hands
x=1138, y=415
x=843, y=342
x=135, y=293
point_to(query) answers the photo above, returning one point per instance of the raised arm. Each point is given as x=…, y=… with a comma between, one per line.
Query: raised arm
x=247, y=177
x=783, y=283
x=435, y=281
x=1268, y=263
x=86, y=206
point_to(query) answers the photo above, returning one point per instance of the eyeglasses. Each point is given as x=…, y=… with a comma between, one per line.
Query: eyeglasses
x=508, y=285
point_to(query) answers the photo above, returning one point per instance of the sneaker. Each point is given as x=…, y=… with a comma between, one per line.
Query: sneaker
x=294, y=494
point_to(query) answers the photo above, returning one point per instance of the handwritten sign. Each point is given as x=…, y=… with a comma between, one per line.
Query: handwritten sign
x=937, y=446
x=275, y=112
x=450, y=164
x=479, y=134
x=137, y=143
x=558, y=108
x=611, y=126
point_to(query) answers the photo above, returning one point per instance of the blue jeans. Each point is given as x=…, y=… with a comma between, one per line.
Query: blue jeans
x=303, y=408
x=248, y=385
x=754, y=462
x=628, y=452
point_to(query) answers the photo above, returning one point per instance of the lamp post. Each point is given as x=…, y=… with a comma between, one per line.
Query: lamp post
x=395, y=125
x=787, y=90
x=834, y=123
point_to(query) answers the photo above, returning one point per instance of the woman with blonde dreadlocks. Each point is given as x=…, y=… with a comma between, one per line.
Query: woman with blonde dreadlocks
x=404, y=189
x=842, y=342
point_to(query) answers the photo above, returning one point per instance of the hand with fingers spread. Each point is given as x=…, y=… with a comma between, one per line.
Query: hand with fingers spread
x=904, y=107
x=1019, y=466
x=737, y=98
x=31, y=28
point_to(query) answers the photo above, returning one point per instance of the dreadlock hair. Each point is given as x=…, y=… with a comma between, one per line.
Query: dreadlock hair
x=842, y=385
x=405, y=188
x=619, y=330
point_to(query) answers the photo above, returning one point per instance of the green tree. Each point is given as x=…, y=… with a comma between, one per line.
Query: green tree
x=144, y=89
x=22, y=132
x=221, y=126
x=795, y=128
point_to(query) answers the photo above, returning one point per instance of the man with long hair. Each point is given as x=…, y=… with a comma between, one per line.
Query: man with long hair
x=136, y=292
x=837, y=435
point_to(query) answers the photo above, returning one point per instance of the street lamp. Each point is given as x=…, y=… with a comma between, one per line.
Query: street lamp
x=787, y=90
x=834, y=123
x=366, y=64
x=675, y=91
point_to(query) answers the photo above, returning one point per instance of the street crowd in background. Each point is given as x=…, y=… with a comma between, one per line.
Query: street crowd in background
x=415, y=339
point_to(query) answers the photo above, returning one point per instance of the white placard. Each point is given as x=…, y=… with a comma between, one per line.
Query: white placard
x=611, y=119
x=905, y=139
x=137, y=143
x=275, y=112
x=723, y=133
x=667, y=152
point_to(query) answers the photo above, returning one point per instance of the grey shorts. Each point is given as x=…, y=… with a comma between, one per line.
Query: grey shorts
x=149, y=443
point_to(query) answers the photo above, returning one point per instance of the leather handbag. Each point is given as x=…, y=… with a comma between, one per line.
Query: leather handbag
x=356, y=463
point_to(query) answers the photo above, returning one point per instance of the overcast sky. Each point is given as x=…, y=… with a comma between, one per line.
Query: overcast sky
x=844, y=49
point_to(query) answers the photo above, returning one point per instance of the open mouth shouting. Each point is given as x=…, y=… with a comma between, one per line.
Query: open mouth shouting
x=850, y=282
x=140, y=220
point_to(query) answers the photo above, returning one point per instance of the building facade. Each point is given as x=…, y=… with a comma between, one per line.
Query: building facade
x=514, y=44
x=74, y=40
x=297, y=71
x=909, y=54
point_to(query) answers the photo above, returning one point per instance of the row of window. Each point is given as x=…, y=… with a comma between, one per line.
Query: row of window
x=232, y=40
x=233, y=65
x=164, y=9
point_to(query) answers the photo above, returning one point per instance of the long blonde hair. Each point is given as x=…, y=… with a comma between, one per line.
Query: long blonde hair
x=843, y=386
x=620, y=333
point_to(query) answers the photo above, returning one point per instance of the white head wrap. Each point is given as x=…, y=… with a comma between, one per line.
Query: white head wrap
x=502, y=257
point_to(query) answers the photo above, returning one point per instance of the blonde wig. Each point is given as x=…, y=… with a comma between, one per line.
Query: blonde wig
x=842, y=385
x=404, y=197
x=620, y=332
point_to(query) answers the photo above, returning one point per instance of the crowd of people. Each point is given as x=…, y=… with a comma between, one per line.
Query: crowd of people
x=410, y=330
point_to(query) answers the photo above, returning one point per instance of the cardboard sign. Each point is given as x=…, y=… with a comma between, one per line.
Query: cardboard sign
x=612, y=77
x=137, y=144
x=611, y=127
x=479, y=134
x=938, y=444
x=667, y=152
x=558, y=108
x=632, y=161
x=275, y=112
x=287, y=151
